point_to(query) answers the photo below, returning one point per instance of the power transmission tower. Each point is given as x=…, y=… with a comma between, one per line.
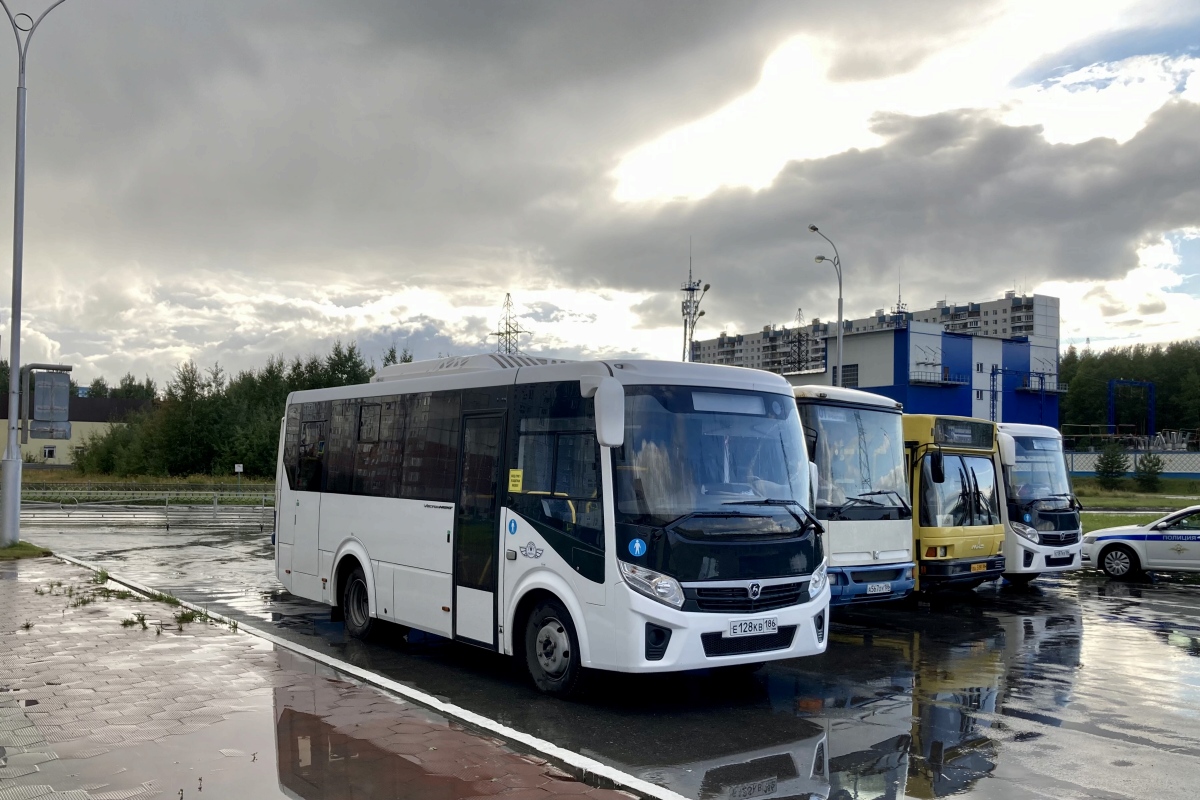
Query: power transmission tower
x=509, y=330
x=797, y=355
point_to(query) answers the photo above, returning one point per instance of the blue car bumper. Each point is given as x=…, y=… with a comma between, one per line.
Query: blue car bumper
x=851, y=585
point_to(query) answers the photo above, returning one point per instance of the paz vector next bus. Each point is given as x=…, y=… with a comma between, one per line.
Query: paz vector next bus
x=633, y=516
x=958, y=532
x=856, y=441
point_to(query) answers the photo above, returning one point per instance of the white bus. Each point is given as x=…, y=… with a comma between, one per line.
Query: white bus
x=857, y=444
x=1042, y=528
x=633, y=516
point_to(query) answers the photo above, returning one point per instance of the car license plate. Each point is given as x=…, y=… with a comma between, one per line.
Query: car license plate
x=879, y=588
x=979, y=567
x=754, y=627
x=1061, y=554
x=745, y=791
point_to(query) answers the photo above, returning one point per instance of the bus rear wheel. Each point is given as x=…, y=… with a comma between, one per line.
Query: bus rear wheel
x=356, y=605
x=552, y=650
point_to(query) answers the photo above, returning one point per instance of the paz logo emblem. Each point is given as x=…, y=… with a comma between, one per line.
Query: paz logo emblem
x=755, y=590
x=531, y=550
x=978, y=546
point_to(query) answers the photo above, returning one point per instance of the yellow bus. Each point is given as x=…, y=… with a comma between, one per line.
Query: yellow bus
x=958, y=533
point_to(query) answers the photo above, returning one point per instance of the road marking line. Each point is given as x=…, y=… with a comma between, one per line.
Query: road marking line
x=580, y=765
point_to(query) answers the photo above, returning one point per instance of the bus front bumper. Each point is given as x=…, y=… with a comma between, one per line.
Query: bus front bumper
x=1029, y=558
x=701, y=640
x=870, y=583
x=960, y=571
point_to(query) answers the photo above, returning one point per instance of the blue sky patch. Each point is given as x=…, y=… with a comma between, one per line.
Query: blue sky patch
x=1183, y=39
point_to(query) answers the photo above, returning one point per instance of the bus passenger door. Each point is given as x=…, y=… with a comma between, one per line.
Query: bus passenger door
x=477, y=529
x=306, y=511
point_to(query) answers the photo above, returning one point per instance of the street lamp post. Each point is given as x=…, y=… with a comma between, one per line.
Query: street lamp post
x=10, y=467
x=837, y=266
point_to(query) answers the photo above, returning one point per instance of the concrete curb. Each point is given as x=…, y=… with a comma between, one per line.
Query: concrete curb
x=584, y=768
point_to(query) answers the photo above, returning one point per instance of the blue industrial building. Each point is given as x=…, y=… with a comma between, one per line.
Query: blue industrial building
x=934, y=371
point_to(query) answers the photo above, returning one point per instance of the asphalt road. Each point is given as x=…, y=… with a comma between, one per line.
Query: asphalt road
x=1075, y=688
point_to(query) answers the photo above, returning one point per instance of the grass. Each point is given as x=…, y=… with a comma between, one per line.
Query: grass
x=158, y=597
x=1128, y=496
x=72, y=476
x=1093, y=522
x=184, y=617
x=1187, y=486
x=100, y=577
x=22, y=550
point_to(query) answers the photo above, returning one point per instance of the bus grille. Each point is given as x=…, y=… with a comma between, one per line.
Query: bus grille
x=736, y=599
x=717, y=644
x=1058, y=537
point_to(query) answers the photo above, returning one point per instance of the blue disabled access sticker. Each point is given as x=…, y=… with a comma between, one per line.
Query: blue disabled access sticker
x=1028, y=517
x=512, y=526
x=637, y=547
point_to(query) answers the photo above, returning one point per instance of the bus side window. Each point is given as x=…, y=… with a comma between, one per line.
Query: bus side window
x=554, y=448
x=312, y=456
x=291, y=446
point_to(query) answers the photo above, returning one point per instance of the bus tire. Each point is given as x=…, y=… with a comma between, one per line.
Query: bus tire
x=552, y=650
x=356, y=605
x=1119, y=561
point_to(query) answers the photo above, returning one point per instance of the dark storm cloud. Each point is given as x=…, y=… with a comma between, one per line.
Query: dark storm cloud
x=302, y=151
x=960, y=205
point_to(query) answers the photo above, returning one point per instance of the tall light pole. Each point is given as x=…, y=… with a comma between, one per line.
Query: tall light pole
x=837, y=265
x=10, y=467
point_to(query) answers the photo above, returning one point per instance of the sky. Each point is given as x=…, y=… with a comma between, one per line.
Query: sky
x=231, y=180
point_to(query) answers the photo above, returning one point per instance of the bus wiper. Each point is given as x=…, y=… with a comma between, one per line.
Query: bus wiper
x=809, y=518
x=862, y=500
x=900, y=497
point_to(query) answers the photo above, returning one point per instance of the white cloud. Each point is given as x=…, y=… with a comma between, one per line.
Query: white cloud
x=1145, y=306
x=797, y=112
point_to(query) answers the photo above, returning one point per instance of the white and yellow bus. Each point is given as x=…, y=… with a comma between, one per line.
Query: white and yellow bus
x=633, y=516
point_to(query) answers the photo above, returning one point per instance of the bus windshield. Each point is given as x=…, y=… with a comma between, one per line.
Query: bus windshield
x=691, y=449
x=1040, y=471
x=859, y=455
x=967, y=497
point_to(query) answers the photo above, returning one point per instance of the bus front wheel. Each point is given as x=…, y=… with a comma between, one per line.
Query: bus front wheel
x=356, y=605
x=552, y=650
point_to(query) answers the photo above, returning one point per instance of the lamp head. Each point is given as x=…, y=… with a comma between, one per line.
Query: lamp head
x=707, y=286
x=821, y=259
x=812, y=228
x=701, y=314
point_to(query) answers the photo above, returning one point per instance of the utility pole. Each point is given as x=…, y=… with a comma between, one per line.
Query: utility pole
x=10, y=467
x=691, y=307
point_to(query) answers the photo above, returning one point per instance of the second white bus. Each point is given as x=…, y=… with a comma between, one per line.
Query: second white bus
x=633, y=516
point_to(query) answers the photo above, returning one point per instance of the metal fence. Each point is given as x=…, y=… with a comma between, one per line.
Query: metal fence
x=129, y=507
x=1175, y=464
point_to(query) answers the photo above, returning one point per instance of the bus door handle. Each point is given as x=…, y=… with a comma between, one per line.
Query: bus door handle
x=511, y=555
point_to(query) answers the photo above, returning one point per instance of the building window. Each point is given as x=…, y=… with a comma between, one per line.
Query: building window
x=979, y=366
x=49, y=451
x=979, y=394
x=1004, y=330
x=851, y=380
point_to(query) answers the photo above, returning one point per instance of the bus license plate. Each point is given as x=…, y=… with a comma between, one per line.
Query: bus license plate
x=745, y=791
x=979, y=567
x=879, y=588
x=1061, y=554
x=754, y=627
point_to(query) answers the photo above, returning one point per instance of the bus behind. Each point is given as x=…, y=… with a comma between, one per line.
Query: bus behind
x=958, y=532
x=857, y=443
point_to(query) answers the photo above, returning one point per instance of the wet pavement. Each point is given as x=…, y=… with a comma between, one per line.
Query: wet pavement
x=104, y=696
x=1076, y=688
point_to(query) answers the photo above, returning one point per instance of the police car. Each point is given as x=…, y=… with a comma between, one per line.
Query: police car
x=1169, y=544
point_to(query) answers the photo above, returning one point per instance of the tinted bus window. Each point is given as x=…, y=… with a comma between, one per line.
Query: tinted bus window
x=431, y=446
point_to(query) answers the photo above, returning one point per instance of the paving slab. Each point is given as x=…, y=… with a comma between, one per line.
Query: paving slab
x=99, y=706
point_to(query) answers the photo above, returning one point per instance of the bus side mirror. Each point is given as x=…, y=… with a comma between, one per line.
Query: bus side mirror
x=937, y=467
x=1008, y=450
x=610, y=408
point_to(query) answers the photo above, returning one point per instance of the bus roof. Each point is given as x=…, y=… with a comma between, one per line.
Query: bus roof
x=1018, y=429
x=839, y=394
x=497, y=369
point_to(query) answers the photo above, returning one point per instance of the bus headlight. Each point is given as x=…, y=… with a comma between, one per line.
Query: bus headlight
x=818, y=580
x=1025, y=532
x=657, y=586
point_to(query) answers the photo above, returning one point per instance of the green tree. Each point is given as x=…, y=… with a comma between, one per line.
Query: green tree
x=1148, y=471
x=98, y=387
x=1111, y=466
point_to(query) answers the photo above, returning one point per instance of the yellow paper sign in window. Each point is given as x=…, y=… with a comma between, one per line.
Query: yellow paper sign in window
x=516, y=479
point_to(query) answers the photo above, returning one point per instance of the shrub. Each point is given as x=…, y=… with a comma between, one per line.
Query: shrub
x=1111, y=467
x=1148, y=471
